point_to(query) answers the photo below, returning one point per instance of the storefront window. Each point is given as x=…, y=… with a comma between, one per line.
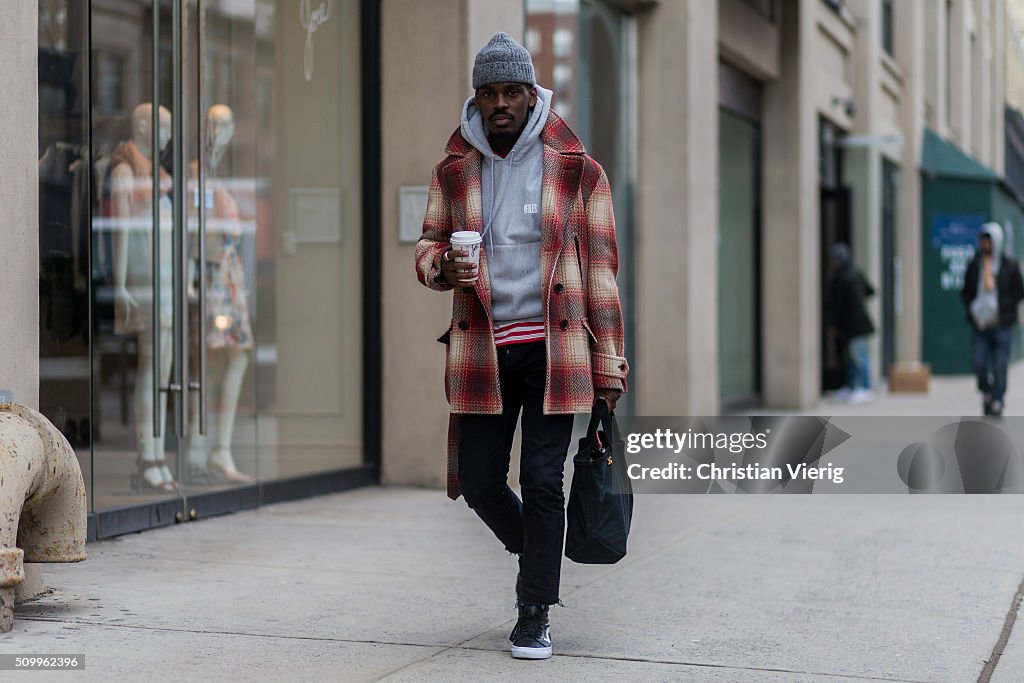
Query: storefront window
x=201, y=242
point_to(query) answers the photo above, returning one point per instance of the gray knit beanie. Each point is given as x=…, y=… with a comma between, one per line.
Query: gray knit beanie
x=502, y=60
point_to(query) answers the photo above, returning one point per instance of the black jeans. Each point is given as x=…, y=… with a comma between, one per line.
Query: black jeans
x=534, y=527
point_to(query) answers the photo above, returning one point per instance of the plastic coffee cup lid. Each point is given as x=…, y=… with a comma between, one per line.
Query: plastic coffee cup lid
x=466, y=237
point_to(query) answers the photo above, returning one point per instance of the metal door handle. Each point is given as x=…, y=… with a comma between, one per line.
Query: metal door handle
x=155, y=232
x=179, y=234
x=203, y=131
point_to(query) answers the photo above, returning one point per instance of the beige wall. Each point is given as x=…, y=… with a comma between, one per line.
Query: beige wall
x=912, y=54
x=975, y=79
x=997, y=115
x=425, y=82
x=1014, y=51
x=675, y=363
x=791, y=281
x=874, y=83
x=936, y=75
x=748, y=40
x=19, y=188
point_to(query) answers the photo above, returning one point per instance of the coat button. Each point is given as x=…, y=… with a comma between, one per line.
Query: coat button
x=559, y=288
x=564, y=324
x=463, y=325
x=622, y=367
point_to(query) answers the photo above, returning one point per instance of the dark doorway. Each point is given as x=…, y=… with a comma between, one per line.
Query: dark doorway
x=836, y=222
x=890, y=182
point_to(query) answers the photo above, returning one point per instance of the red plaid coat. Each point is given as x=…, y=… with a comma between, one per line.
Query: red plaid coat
x=578, y=261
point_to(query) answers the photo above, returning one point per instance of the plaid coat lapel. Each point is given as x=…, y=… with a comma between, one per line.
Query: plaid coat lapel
x=462, y=178
x=563, y=174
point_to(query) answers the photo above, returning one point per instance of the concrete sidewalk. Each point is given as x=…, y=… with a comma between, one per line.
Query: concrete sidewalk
x=947, y=396
x=404, y=585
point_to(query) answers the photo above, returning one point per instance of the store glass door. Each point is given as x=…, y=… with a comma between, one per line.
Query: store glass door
x=171, y=229
x=202, y=252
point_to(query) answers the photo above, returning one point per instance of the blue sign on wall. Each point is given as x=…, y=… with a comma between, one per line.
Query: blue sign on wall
x=955, y=237
x=951, y=229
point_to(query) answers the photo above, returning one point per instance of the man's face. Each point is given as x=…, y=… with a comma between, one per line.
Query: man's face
x=986, y=245
x=505, y=107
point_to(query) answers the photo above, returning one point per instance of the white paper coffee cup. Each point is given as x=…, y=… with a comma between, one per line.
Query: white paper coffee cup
x=469, y=241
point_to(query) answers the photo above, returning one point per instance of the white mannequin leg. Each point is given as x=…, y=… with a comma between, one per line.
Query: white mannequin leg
x=230, y=389
x=198, y=443
x=150, y=448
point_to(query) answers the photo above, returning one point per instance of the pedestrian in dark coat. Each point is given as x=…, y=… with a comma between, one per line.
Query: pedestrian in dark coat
x=849, y=289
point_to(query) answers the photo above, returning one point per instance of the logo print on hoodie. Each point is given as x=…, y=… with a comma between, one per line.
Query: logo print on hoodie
x=529, y=208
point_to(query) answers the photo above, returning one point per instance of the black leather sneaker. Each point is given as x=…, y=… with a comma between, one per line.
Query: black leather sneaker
x=531, y=638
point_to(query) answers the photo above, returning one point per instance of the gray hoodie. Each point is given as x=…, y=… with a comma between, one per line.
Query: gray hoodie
x=985, y=306
x=511, y=198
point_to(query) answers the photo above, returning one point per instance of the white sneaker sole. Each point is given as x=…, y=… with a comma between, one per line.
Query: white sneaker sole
x=531, y=652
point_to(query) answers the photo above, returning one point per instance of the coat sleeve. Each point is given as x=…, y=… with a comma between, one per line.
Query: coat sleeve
x=437, y=233
x=970, y=288
x=1018, y=284
x=604, y=310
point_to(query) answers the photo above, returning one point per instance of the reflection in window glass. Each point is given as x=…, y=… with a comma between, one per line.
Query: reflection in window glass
x=63, y=232
x=562, y=40
x=533, y=43
x=109, y=67
x=561, y=76
x=552, y=28
x=586, y=56
x=564, y=108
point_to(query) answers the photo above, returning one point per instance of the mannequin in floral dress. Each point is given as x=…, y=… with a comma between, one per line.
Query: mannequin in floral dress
x=228, y=333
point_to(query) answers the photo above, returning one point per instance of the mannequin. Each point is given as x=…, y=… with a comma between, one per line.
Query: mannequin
x=228, y=334
x=131, y=202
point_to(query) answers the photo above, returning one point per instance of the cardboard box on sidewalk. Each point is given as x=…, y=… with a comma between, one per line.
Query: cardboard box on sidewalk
x=909, y=378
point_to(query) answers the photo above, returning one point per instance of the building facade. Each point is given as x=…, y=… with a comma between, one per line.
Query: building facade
x=265, y=305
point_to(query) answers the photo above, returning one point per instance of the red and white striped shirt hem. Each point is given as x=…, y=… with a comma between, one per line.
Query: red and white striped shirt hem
x=518, y=333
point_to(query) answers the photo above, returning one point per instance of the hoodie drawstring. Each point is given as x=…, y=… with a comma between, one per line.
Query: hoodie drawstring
x=501, y=200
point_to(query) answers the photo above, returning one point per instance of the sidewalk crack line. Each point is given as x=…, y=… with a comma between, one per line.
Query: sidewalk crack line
x=1004, y=637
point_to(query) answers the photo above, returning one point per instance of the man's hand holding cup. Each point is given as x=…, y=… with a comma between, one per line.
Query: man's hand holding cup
x=460, y=265
x=458, y=273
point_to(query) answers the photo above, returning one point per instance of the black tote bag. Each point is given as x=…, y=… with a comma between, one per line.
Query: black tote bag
x=601, y=496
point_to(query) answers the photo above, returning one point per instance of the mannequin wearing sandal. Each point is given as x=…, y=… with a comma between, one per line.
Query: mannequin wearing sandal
x=133, y=235
x=228, y=333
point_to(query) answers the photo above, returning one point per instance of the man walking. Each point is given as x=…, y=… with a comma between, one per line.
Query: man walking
x=992, y=290
x=536, y=328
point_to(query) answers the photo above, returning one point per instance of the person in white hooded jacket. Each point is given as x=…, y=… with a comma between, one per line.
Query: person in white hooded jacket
x=992, y=289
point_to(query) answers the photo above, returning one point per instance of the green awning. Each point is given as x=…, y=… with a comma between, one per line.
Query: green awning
x=944, y=159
